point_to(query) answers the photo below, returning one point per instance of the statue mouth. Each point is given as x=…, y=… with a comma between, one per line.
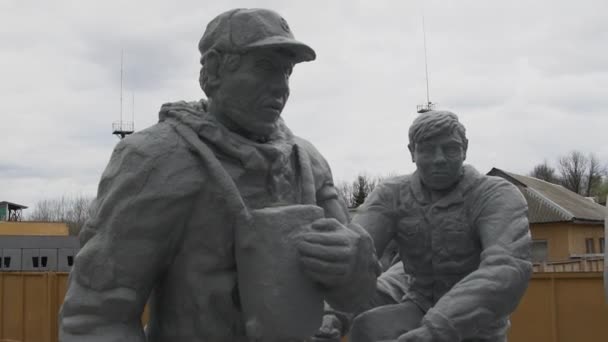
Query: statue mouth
x=275, y=105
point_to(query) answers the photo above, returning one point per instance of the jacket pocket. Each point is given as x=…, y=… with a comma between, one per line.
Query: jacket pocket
x=458, y=239
x=411, y=236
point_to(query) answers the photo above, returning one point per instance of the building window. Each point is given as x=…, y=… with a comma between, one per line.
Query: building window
x=539, y=250
x=602, y=245
x=590, y=246
x=7, y=262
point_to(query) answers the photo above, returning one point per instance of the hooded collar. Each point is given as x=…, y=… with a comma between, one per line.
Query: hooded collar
x=250, y=154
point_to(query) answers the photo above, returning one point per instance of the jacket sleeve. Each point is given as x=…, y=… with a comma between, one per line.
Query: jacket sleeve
x=493, y=291
x=143, y=201
x=375, y=222
x=378, y=215
x=361, y=282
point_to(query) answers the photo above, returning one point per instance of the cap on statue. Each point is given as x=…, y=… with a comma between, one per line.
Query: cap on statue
x=241, y=30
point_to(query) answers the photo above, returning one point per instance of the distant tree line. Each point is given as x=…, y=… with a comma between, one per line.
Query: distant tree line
x=584, y=174
x=73, y=210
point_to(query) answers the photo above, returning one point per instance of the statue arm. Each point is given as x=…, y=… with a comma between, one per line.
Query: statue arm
x=387, y=288
x=366, y=268
x=374, y=222
x=128, y=242
x=493, y=291
x=377, y=216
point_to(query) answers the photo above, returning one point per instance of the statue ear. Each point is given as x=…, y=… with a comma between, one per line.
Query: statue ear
x=465, y=147
x=212, y=69
x=411, y=148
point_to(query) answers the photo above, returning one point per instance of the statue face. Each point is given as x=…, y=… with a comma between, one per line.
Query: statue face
x=252, y=97
x=439, y=160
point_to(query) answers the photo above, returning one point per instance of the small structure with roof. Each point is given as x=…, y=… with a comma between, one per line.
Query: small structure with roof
x=565, y=226
x=11, y=211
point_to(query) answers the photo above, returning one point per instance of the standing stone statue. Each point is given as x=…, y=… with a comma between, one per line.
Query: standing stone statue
x=464, y=242
x=186, y=210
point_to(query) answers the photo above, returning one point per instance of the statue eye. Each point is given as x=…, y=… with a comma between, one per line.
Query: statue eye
x=451, y=149
x=425, y=149
x=265, y=65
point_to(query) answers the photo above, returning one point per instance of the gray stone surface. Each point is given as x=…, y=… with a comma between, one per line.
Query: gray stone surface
x=269, y=241
x=176, y=198
x=463, y=239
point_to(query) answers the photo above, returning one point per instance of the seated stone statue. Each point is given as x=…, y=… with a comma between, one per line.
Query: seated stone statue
x=463, y=239
x=174, y=195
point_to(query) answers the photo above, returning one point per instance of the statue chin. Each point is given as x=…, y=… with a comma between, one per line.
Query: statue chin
x=440, y=183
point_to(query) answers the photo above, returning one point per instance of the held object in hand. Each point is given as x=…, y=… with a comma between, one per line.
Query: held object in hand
x=279, y=302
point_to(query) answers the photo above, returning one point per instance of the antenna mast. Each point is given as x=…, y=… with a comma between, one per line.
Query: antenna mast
x=121, y=76
x=429, y=105
x=133, y=109
x=426, y=67
x=122, y=129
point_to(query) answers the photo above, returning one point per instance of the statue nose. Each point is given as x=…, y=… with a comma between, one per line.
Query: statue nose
x=438, y=156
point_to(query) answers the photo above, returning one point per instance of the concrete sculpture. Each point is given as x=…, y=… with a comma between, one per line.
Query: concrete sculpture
x=464, y=242
x=180, y=206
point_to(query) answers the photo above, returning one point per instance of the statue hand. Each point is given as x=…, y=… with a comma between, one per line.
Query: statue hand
x=330, y=330
x=328, y=253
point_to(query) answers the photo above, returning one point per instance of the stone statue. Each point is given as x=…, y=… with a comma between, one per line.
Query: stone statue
x=463, y=239
x=222, y=220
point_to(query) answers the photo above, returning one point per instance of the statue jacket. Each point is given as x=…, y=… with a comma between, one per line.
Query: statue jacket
x=467, y=255
x=163, y=229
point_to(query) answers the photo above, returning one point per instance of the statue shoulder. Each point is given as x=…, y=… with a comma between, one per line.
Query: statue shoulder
x=157, y=147
x=309, y=148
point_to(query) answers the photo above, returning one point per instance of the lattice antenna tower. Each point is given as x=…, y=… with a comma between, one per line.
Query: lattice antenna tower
x=123, y=128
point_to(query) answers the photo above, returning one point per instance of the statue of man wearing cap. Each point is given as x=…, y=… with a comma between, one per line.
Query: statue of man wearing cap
x=175, y=195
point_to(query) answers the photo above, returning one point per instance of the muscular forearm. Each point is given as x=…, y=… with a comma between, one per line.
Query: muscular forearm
x=482, y=298
x=108, y=316
x=362, y=281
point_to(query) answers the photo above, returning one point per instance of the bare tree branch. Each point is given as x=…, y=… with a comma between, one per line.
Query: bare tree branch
x=545, y=172
x=573, y=169
x=73, y=210
x=595, y=172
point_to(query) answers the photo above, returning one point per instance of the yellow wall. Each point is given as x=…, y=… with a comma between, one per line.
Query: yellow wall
x=565, y=239
x=557, y=239
x=564, y=307
x=580, y=233
x=29, y=305
x=33, y=228
x=557, y=307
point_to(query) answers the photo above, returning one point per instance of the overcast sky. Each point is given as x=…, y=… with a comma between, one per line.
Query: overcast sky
x=529, y=79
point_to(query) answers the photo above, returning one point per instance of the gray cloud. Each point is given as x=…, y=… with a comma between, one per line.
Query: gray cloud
x=527, y=78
